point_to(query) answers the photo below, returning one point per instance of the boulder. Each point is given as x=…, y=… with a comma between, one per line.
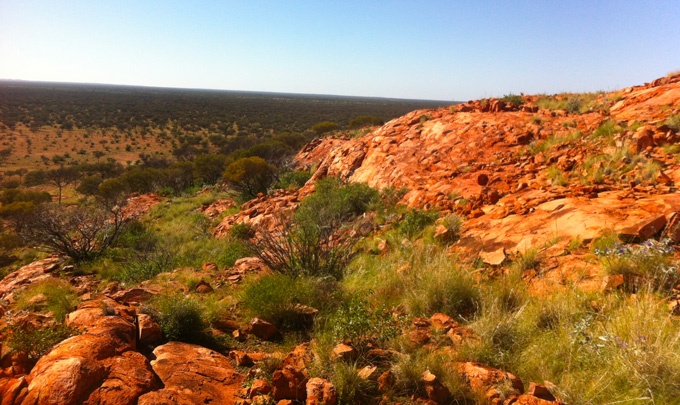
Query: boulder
x=193, y=374
x=289, y=383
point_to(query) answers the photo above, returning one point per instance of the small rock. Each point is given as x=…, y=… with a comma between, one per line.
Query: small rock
x=262, y=329
x=643, y=230
x=368, y=373
x=482, y=179
x=289, y=383
x=240, y=358
x=436, y=391
x=149, y=331
x=344, y=352
x=321, y=392
x=203, y=287
x=210, y=267
x=386, y=381
x=495, y=258
x=540, y=391
x=259, y=387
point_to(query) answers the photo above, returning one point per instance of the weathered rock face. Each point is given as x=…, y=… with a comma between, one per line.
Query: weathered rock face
x=193, y=375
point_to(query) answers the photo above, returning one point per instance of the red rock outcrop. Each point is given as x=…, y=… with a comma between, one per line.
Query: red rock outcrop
x=99, y=366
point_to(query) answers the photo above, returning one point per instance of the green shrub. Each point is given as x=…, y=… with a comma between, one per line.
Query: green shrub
x=324, y=127
x=293, y=179
x=361, y=324
x=180, y=318
x=527, y=260
x=250, y=175
x=276, y=298
x=58, y=297
x=513, y=99
x=454, y=225
x=351, y=388
x=416, y=220
x=423, y=280
x=36, y=341
x=365, y=121
x=242, y=230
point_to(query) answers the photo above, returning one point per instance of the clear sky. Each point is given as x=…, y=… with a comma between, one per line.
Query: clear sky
x=444, y=50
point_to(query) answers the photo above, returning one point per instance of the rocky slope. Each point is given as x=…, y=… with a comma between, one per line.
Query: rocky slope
x=523, y=177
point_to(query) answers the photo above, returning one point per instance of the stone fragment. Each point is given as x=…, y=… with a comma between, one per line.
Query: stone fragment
x=262, y=329
x=149, y=331
x=321, y=392
x=343, y=352
x=289, y=383
x=436, y=391
x=240, y=358
x=494, y=258
x=202, y=287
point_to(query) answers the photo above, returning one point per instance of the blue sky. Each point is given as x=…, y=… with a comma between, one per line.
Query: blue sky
x=444, y=50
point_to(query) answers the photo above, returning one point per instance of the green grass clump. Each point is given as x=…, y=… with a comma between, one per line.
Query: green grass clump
x=575, y=103
x=54, y=296
x=424, y=280
x=527, y=260
x=274, y=298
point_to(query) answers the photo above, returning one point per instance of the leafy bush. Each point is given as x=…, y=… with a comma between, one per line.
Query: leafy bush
x=180, y=318
x=454, y=225
x=210, y=167
x=324, y=127
x=527, y=260
x=293, y=179
x=58, y=297
x=79, y=232
x=358, y=323
x=242, y=230
x=365, y=121
x=276, y=298
x=250, y=175
x=513, y=99
x=36, y=341
x=416, y=220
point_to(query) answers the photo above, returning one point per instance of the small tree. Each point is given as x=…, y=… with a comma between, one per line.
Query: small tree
x=61, y=177
x=98, y=154
x=78, y=232
x=210, y=167
x=251, y=175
